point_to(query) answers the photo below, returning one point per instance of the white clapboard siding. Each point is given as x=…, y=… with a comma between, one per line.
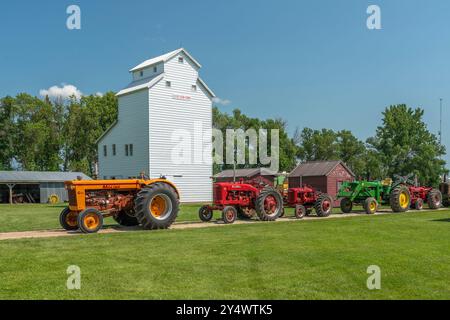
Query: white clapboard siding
x=131, y=128
x=170, y=112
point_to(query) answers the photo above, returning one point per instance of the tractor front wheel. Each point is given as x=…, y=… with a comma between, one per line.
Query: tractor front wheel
x=269, y=205
x=229, y=215
x=205, y=213
x=400, y=199
x=324, y=205
x=300, y=211
x=90, y=221
x=346, y=205
x=434, y=199
x=68, y=219
x=418, y=205
x=370, y=205
x=156, y=206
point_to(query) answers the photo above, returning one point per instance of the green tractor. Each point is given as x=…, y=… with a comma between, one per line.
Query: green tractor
x=372, y=194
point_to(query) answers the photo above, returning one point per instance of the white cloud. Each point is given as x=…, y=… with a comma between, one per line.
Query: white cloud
x=220, y=101
x=64, y=92
x=99, y=94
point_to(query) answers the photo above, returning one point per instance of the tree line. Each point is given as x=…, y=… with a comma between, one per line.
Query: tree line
x=402, y=144
x=44, y=135
x=52, y=135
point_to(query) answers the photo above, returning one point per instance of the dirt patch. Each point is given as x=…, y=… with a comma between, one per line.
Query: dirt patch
x=176, y=226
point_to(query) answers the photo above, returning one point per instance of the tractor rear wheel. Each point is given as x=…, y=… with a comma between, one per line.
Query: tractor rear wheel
x=418, y=205
x=300, y=211
x=229, y=214
x=269, y=205
x=125, y=219
x=370, y=205
x=68, y=219
x=90, y=221
x=156, y=206
x=434, y=199
x=400, y=199
x=346, y=205
x=205, y=213
x=324, y=205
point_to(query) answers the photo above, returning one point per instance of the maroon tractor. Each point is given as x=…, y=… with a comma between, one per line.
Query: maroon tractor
x=421, y=195
x=306, y=198
x=243, y=200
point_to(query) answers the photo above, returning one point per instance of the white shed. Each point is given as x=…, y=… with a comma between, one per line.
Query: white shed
x=165, y=111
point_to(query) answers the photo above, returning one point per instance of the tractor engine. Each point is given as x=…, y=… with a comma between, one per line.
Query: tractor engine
x=229, y=193
x=305, y=195
x=110, y=201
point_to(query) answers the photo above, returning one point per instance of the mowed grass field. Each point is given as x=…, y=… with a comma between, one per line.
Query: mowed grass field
x=316, y=259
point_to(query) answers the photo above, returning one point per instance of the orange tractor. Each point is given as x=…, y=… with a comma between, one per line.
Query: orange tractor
x=154, y=203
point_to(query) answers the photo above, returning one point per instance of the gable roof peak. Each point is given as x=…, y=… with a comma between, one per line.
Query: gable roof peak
x=164, y=58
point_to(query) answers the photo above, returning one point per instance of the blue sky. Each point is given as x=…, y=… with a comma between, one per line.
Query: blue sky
x=313, y=63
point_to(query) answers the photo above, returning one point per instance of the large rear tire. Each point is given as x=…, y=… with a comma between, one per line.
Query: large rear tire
x=156, y=206
x=68, y=219
x=346, y=205
x=400, y=199
x=324, y=205
x=434, y=199
x=126, y=220
x=269, y=205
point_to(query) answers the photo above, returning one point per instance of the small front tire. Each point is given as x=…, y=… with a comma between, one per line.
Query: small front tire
x=419, y=204
x=370, y=205
x=90, y=221
x=229, y=215
x=300, y=211
x=205, y=213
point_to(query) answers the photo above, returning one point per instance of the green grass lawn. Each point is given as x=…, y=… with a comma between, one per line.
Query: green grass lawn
x=319, y=259
x=44, y=216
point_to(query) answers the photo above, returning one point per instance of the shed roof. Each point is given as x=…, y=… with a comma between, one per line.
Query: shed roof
x=38, y=176
x=163, y=58
x=317, y=168
x=246, y=173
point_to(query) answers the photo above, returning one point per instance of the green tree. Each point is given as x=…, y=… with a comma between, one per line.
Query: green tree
x=238, y=120
x=405, y=145
x=37, y=145
x=86, y=120
x=317, y=144
x=7, y=132
x=352, y=152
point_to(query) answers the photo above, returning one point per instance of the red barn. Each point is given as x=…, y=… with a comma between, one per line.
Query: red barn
x=257, y=174
x=325, y=176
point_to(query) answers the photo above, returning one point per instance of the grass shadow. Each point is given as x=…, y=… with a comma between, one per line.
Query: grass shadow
x=441, y=220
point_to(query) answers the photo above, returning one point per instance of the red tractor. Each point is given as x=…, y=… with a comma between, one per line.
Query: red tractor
x=421, y=195
x=306, y=198
x=244, y=200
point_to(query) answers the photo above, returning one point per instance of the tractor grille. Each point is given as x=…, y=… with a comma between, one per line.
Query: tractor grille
x=72, y=197
x=217, y=193
x=291, y=196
